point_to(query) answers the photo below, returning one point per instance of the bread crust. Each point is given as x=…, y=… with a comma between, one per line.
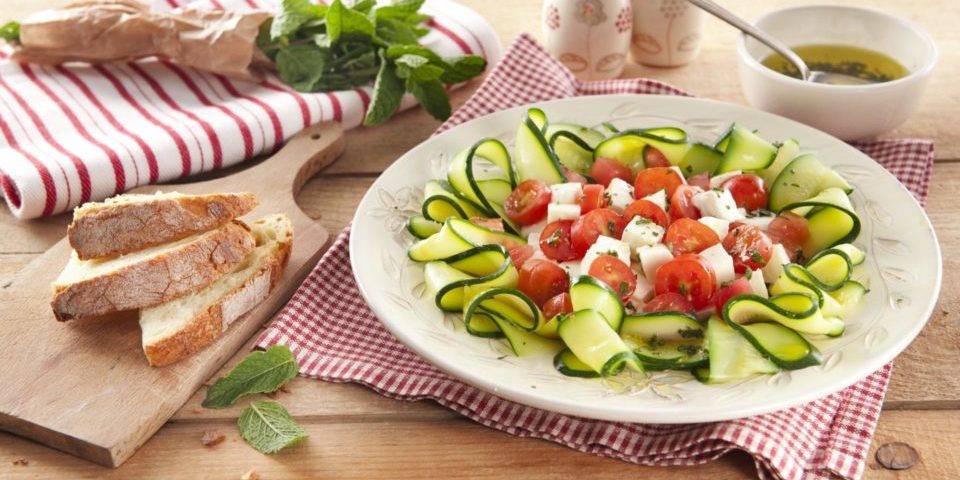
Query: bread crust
x=107, y=229
x=157, y=279
x=206, y=327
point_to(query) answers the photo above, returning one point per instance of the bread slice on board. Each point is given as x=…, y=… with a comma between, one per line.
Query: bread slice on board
x=88, y=288
x=174, y=330
x=131, y=222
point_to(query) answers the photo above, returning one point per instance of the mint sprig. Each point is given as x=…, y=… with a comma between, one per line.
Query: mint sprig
x=268, y=427
x=259, y=372
x=336, y=47
x=10, y=31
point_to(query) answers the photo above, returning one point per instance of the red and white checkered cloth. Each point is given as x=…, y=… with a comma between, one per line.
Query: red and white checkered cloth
x=77, y=133
x=336, y=337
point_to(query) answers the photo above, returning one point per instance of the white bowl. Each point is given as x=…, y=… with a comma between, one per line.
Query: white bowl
x=845, y=111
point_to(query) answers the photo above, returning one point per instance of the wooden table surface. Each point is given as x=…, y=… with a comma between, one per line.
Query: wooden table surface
x=355, y=433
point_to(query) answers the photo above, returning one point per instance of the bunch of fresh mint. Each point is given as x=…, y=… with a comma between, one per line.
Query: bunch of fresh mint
x=317, y=47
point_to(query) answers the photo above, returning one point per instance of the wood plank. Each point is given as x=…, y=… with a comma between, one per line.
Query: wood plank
x=101, y=364
x=396, y=448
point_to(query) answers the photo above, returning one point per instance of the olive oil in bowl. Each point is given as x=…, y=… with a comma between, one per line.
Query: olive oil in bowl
x=854, y=61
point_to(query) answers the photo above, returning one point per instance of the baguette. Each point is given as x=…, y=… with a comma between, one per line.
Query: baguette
x=175, y=330
x=131, y=222
x=88, y=288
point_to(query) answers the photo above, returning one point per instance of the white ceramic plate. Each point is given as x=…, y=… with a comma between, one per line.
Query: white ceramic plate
x=903, y=271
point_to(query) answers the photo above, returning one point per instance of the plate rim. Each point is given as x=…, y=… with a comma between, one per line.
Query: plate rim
x=563, y=406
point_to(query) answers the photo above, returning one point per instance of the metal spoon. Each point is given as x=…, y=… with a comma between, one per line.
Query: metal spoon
x=816, y=76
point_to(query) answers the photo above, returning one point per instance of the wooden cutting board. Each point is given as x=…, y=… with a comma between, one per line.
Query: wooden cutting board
x=84, y=387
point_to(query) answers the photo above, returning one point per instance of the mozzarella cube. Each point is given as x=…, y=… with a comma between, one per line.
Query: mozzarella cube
x=605, y=246
x=773, y=268
x=534, y=229
x=721, y=261
x=641, y=231
x=717, y=203
x=717, y=181
x=572, y=267
x=557, y=211
x=620, y=193
x=760, y=222
x=651, y=257
x=659, y=199
x=718, y=225
x=643, y=292
x=566, y=193
x=755, y=277
x=533, y=239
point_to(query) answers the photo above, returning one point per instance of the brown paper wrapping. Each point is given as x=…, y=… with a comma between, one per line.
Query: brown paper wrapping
x=101, y=31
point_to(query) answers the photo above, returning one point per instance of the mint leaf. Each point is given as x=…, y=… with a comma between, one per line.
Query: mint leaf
x=10, y=31
x=432, y=97
x=392, y=30
x=300, y=66
x=387, y=94
x=259, y=372
x=343, y=22
x=364, y=6
x=293, y=14
x=268, y=427
x=463, y=68
x=417, y=68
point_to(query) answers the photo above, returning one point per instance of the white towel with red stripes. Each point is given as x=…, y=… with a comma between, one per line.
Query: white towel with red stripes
x=76, y=133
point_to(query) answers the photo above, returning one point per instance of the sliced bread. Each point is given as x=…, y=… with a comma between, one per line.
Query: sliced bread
x=88, y=288
x=174, y=330
x=131, y=222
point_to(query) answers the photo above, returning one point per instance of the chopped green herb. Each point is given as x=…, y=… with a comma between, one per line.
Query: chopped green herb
x=689, y=349
x=757, y=258
x=683, y=290
x=654, y=342
x=748, y=273
x=554, y=239
x=624, y=289
x=690, y=332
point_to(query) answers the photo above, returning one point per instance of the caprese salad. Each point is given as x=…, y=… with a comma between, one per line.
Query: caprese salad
x=640, y=249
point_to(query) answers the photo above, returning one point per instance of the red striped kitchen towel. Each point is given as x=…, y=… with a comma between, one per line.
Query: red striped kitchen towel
x=76, y=133
x=336, y=337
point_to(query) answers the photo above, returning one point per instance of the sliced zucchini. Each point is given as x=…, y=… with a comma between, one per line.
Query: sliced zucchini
x=549, y=327
x=849, y=294
x=468, y=182
x=610, y=128
x=572, y=151
x=700, y=158
x=672, y=134
x=534, y=158
x=479, y=261
x=665, y=340
x=795, y=310
x=830, y=220
x=508, y=304
x=568, y=364
x=477, y=235
x=782, y=345
x=442, y=244
x=627, y=147
x=438, y=275
x=855, y=255
x=830, y=269
x=724, y=140
x=453, y=291
x=525, y=343
x=788, y=150
x=801, y=179
x=796, y=279
x=746, y=151
x=421, y=228
x=483, y=325
x=441, y=202
x=588, y=292
x=589, y=136
x=589, y=336
x=732, y=357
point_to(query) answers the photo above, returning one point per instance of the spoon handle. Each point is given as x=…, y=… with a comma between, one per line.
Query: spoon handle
x=777, y=46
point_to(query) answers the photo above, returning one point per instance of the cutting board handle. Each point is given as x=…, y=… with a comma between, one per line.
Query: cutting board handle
x=300, y=158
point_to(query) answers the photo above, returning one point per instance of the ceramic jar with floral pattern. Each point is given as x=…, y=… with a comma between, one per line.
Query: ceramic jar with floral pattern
x=666, y=33
x=590, y=37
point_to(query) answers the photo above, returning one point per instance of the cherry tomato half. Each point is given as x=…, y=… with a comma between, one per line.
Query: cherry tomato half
x=681, y=203
x=748, y=191
x=791, y=230
x=592, y=198
x=689, y=236
x=654, y=158
x=556, y=305
x=690, y=276
x=701, y=180
x=555, y=241
x=604, y=170
x=739, y=286
x=616, y=274
x=520, y=254
x=541, y=280
x=652, y=180
x=669, y=302
x=646, y=209
x=587, y=228
x=750, y=248
x=527, y=204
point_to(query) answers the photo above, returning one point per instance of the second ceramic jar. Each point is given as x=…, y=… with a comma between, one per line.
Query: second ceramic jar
x=666, y=33
x=590, y=37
